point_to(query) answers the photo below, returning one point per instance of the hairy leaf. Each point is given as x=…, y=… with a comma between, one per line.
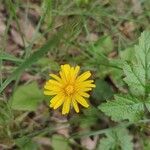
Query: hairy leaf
x=115, y=139
x=138, y=78
x=123, y=108
x=138, y=73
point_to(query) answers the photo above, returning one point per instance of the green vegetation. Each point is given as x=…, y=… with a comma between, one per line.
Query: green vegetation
x=111, y=38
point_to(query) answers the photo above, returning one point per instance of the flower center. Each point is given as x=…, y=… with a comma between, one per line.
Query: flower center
x=69, y=89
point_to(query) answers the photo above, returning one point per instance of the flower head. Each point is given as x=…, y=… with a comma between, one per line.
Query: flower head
x=69, y=88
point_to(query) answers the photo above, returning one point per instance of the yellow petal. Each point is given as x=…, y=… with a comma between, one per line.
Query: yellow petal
x=63, y=77
x=66, y=106
x=76, y=71
x=58, y=103
x=87, y=85
x=84, y=76
x=83, y=84
x=52, y=88
x=72, y=76
x=50, y=93
x=55, y=77
x=54, y=82
x=66, y=71
x=73, y=73
x=54, y=100
x=81, y=100
x=84, y=94
x=87, y=82
x=85, y=89
x=75, y=105
x=69, y=78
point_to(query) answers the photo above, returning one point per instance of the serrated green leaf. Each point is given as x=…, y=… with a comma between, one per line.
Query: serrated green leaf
x=138, y=73
x=147, y=104
x=127, y=54
x=116, y=138
x=135, y=78
x=123, y=108
x=138, y=79
x=27, y=97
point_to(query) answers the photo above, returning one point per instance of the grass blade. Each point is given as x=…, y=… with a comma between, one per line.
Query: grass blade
x=55, y=39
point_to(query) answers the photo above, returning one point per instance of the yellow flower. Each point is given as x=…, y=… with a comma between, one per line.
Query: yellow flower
x=69, y=89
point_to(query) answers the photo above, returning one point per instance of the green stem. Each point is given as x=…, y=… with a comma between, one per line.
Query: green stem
x=103, y=131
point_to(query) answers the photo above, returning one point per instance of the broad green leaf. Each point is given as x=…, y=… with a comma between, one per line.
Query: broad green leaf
x=123, y=108
x=27, y=97
x=115, y=139
x=59, y=143
x=107, y=143
x=104, y=45
x=138, y=72
x=26, y=143
x=89, y=117
x=146, y=143
x=102, y=91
